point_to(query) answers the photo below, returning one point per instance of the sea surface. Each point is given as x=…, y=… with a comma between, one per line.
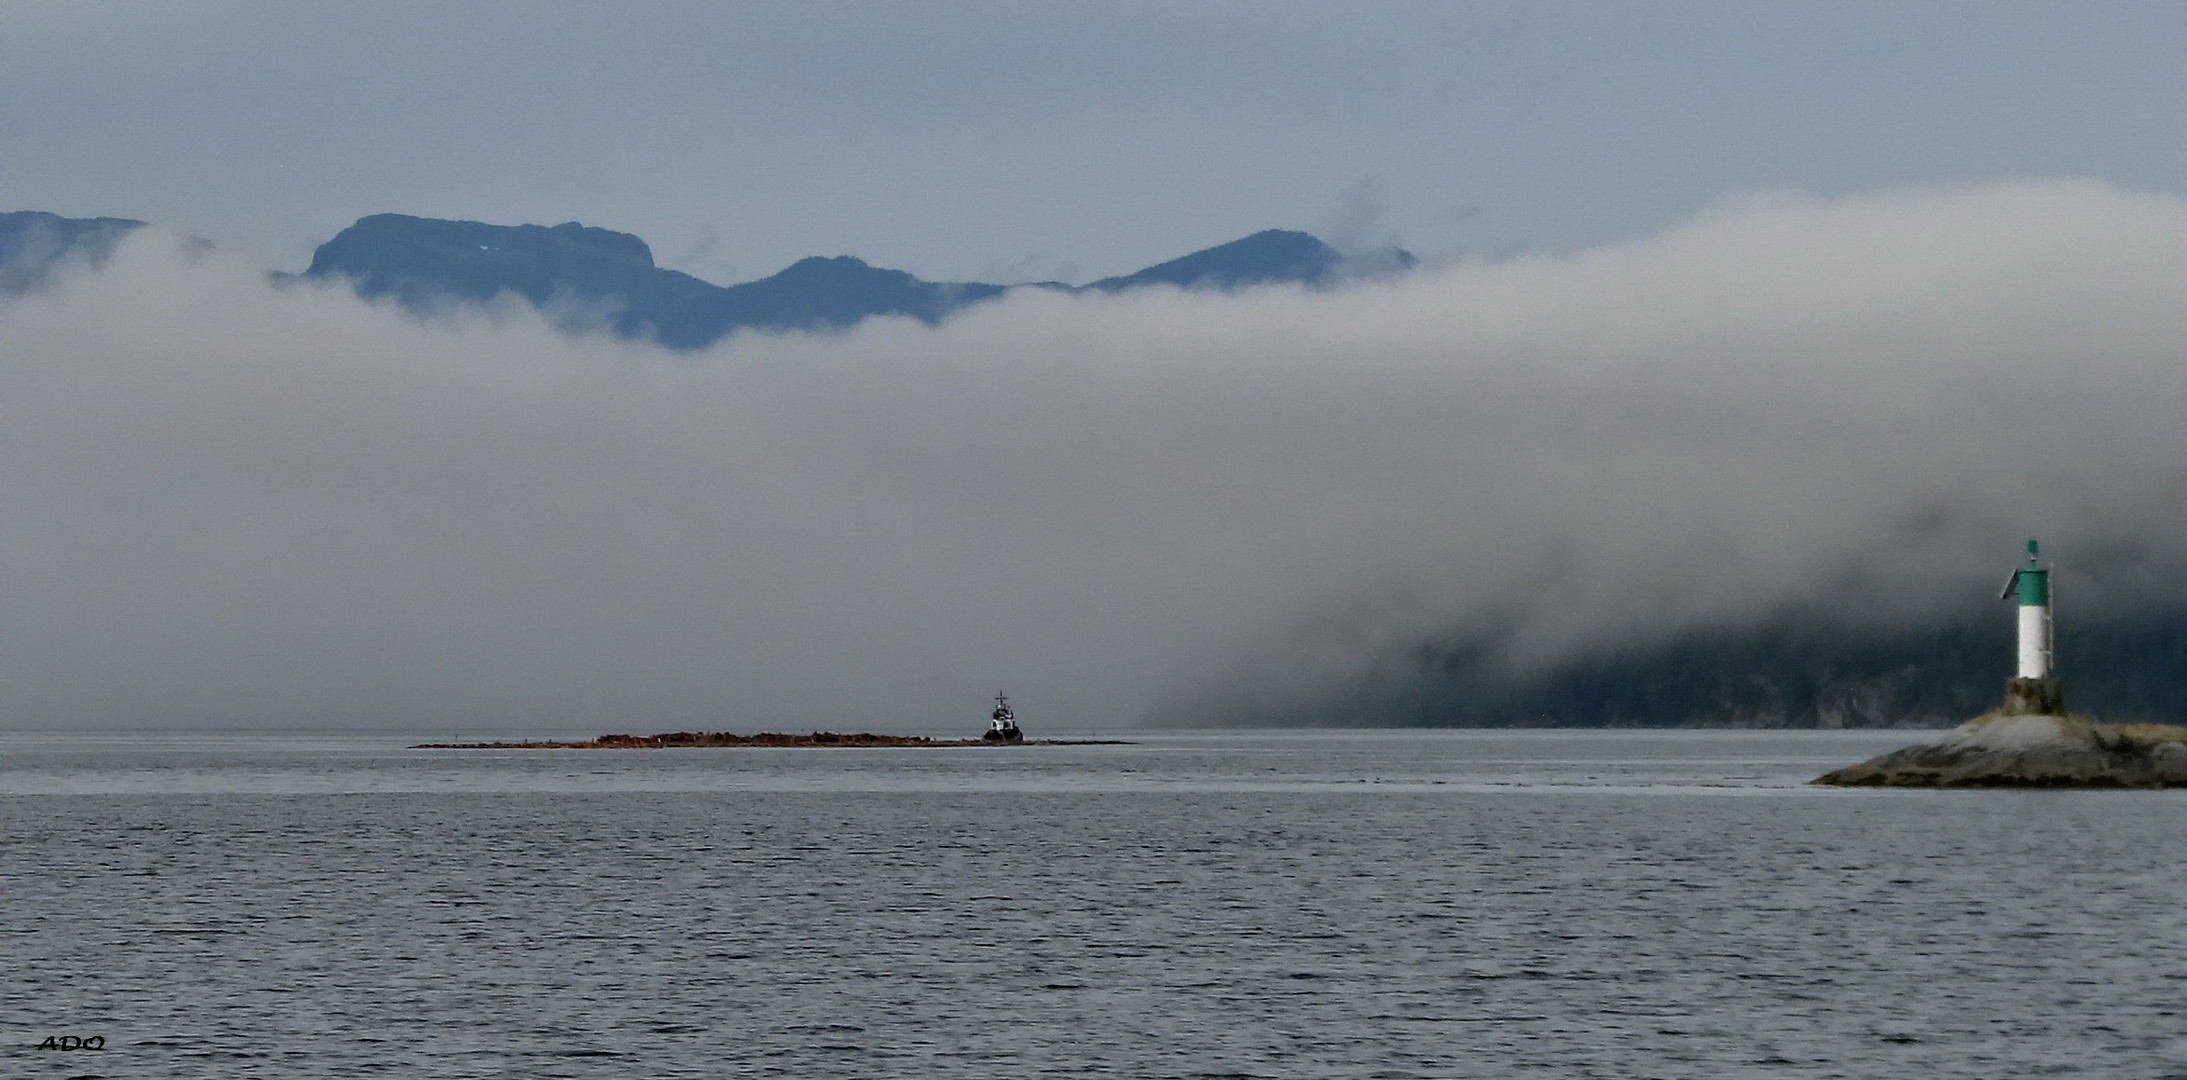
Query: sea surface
x=1236, y=904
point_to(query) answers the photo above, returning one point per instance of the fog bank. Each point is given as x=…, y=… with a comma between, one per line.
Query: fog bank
x=227, y=503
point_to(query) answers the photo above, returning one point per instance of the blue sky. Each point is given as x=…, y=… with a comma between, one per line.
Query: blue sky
x=1013, y=141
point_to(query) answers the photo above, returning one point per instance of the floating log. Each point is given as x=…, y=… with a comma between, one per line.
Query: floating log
x=708, y=739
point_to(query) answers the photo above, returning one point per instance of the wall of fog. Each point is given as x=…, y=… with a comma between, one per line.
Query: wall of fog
x=225, y=502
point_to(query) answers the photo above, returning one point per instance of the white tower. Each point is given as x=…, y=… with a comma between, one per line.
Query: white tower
x=2034, y=687
x=2032, y=584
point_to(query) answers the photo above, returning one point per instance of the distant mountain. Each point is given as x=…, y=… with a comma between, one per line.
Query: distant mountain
x=586, y=276
x=839, y=291
x=1275, y=256
x=33, y=243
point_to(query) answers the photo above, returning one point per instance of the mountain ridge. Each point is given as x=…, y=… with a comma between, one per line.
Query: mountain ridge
x=585, y=278
x=424, y=263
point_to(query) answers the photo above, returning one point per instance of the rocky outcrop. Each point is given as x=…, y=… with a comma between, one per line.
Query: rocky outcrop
x=2041, y=751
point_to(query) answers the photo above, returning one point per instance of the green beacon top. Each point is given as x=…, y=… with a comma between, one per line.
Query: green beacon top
x=2032, y=582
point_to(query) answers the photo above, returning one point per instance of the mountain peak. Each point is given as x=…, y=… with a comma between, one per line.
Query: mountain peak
x=1266, y=257
x=373, y=239
x=830, y=266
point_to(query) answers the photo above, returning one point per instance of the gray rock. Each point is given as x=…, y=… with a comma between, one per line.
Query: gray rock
x=2031, y=751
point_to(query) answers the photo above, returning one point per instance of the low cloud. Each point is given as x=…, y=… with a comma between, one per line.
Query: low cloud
x=224, y=502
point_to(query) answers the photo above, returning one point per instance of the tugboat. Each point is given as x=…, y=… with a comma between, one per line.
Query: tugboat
x=1003, y=725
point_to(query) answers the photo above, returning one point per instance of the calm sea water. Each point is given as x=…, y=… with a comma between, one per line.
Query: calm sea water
x=1456, y=904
